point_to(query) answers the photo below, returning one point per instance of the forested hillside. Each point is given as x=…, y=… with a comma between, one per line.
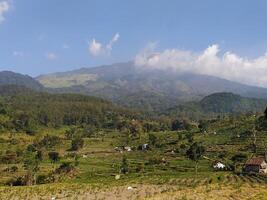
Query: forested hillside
x=218, y=104
x=33, y=109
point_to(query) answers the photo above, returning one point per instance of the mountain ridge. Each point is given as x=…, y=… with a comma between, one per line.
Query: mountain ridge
x=128, y=85
x=13, y=78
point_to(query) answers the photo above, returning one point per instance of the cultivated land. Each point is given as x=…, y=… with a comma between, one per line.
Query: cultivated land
x=162, y=172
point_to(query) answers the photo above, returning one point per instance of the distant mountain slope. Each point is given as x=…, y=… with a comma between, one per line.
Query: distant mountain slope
x=154, y=90
x=218, y=103
x=11, y=78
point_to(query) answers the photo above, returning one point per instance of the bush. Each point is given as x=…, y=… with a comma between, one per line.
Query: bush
x=14, y=169
x=154, y=161
x=49, y=141
x=124, y=165
x=76, y=144
x=11, y=169
x=71, y=133
x=65, y=167
x=9, y=158
x=152, y=139
x=19, y=181
x=31, y=148
x=39, y=155
x=44, y=179
x=54, y=156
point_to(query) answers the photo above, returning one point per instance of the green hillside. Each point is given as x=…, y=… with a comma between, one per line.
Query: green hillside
x=218, y=104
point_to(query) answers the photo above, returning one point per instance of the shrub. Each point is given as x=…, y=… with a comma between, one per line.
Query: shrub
x=19, y=181
x=124, y=165
x=31, y=148
x=9, y=158
x=76, y=144
x=152, y=139
x=65, y=167
x=54, y=156
x=44, y=179
x=49, y=141
x=39, y=155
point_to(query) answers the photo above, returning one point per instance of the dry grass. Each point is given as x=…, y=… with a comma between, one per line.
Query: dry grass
x=138, y=191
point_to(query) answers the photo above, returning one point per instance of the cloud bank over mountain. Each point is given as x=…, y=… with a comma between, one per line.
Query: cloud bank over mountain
x=226, y=65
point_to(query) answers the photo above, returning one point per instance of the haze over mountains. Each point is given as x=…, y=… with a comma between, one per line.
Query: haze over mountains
x=128, y=85
x=147, y=89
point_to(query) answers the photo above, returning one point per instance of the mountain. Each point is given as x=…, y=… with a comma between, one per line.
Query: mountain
x=217, y=104
x=154, y=90
x=11, y=78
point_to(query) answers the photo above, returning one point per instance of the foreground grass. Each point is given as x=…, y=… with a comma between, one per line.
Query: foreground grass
x=137, y=191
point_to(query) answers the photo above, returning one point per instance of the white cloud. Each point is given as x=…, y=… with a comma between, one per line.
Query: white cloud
x=113, y=41
x=4, y=7
x=51, y=56
x=228, y=65
x=18, y=53
x=97, y=48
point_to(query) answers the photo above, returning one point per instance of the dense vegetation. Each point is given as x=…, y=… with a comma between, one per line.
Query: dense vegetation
x=218, y=105
x=70, y=138
x=25, y=111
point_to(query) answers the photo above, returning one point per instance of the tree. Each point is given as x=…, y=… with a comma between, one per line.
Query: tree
x=203, y=125
x=194, y=153
x=177, y=125
x=31, y=164
x=76, y=144
x=237, y=159
x=70, y=133
x=39, y=155
x=190, y=137
x=124, y=165
x=49, y=141
x=135, y=129
x=265, y=113
x=54, y=156
x=152, y=139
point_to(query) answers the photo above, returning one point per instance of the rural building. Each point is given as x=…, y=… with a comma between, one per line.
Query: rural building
x=219, y=166
x=256, y=165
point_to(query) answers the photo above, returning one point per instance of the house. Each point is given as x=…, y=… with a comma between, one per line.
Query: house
x=256, y=165
x=143, y=147
x=219, y=166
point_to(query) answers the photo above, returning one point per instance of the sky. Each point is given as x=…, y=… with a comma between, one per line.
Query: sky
x=223, y=38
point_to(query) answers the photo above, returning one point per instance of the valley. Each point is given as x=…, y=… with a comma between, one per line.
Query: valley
x=68, y=146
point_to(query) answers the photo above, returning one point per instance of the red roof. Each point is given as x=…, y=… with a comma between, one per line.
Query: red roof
x=255, y=161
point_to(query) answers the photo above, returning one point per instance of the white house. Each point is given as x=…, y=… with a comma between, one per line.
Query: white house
x=219, y=165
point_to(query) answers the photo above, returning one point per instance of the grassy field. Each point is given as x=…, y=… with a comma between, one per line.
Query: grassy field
x=163, y=172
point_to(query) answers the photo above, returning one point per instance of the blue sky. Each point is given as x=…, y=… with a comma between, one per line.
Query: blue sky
x=44, y=36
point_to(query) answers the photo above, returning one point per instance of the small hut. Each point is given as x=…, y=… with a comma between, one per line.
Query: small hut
x=256, y=165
